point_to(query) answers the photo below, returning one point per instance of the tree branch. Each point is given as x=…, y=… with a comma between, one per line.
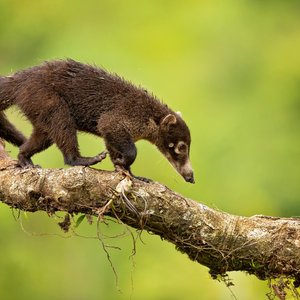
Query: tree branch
x=264, y=246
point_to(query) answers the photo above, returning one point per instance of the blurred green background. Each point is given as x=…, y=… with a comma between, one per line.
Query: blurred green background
x=231, y=67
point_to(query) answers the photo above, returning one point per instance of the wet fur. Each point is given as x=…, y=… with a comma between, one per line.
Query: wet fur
x=61, y=97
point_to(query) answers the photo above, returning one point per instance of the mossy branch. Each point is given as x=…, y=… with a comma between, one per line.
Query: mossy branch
x=264, y=246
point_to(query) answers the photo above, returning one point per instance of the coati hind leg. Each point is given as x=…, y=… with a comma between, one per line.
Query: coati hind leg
x=66, y=141
x=62, y=131
x=38, y=141
x=9, y=132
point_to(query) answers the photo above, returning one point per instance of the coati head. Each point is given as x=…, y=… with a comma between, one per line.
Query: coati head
x=174, y=141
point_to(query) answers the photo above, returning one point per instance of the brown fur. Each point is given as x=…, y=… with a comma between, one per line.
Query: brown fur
x=61, y=97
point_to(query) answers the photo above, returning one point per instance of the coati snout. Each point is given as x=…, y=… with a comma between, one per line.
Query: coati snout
x=63, y=96
x=175, y=145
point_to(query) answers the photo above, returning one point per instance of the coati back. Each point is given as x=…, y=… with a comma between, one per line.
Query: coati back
x=61, y=97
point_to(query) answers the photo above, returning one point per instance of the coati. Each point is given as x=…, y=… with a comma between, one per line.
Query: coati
x=62, y=96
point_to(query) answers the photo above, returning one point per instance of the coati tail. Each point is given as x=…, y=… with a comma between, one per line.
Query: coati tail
x=9, y=132
x=7, y=87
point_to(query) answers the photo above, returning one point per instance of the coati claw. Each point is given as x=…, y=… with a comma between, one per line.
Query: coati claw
x=102, y=155
x=144, y=179
x=29, y=166
x=123, y=171
x=25, y=162
x=130, y=175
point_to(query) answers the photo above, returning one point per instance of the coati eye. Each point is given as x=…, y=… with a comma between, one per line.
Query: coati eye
x=171, y=145
x=181, y=148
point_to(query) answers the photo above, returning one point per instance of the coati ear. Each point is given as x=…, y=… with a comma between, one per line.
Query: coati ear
x=168, y=120
x=179, y=113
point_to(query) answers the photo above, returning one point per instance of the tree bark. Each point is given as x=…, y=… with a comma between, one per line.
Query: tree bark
x=265, y=246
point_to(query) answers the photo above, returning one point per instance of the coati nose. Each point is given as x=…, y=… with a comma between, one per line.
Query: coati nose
x=186, y=171
x=189, y=178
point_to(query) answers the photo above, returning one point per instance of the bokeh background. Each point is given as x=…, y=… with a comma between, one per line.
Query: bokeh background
x=231, y=67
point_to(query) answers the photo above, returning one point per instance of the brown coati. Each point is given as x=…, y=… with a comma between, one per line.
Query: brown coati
x=63, y=96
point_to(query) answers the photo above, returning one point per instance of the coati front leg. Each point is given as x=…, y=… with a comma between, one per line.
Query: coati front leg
x=122, y=150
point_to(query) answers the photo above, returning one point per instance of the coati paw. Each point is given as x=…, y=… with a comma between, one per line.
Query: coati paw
x=123, y=170
x=85, y=161
x=144, y=179
x=31, y=166
x=129, y=174
x=25, y=162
